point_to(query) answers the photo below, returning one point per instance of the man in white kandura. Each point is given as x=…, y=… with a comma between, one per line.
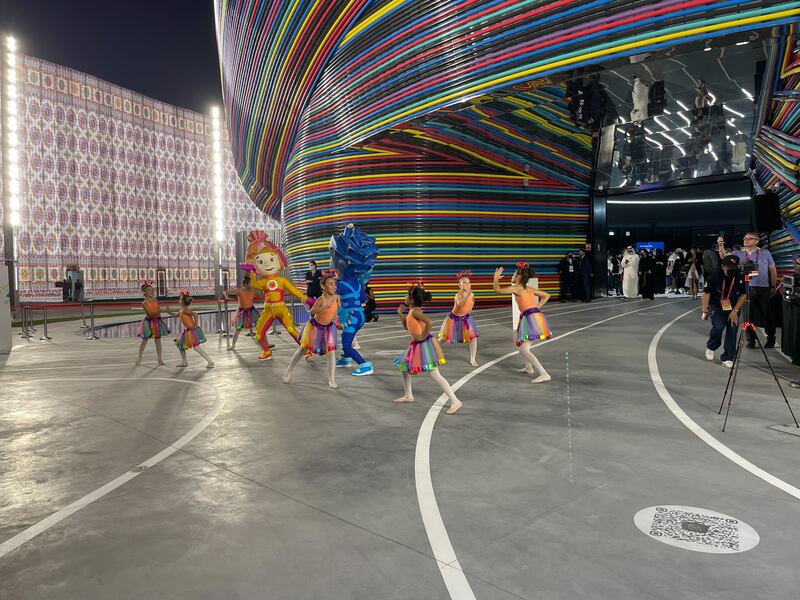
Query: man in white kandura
x=630, y=277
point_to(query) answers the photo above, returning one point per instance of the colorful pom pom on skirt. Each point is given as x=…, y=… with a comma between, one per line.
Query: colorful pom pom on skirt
x=245, y=318
x=458, y=330
x=152, y=328
x=532, y=326
x=319, y=339
x=190, y=338
x=421, y=356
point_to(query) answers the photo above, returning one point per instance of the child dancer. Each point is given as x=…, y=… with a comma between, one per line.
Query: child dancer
x=246, y=315
x=424, y=353
x=532, y=323
x=192, y=335
x=152, y=326
x=458, y=327
x=319, y=334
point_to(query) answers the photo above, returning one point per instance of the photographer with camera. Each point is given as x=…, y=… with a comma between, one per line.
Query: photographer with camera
x=763, y=280
x=723, y=298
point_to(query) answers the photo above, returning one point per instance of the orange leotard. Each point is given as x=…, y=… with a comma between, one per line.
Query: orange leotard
x=526, y=300
x=416, y=328
x=466, y=308
x=188, y=320
x=246, y=298
x=326, y=315
x=151, y=309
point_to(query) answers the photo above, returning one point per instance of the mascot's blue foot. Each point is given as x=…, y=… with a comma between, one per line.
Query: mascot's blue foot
x=363, y=369
x=344, y=362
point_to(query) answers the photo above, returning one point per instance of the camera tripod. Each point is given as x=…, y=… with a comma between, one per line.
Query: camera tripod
x=748, y=327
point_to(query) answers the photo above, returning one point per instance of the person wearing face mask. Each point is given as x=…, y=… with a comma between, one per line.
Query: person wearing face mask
x=762, y=284
x=630, y=274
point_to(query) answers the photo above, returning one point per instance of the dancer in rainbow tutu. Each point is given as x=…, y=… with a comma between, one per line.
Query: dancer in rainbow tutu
x=319, y=333
x=424, y=354
x=192, y=336
x=247, y=314
x=459, y=327
x=532, y=324
x=152, y=327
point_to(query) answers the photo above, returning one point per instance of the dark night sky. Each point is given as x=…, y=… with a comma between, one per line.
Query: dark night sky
x=165, y=49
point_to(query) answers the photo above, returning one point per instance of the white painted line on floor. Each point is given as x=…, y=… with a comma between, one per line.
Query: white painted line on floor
x=692, y=425
x=454, y=577
x=58, y=516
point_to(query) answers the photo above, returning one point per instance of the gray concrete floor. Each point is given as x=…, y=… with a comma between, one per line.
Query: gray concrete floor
x=302, y=492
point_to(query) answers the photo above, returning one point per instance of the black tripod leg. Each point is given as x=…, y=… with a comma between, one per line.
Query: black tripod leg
x=739, y=339
x=734, y=373
x=777, y=381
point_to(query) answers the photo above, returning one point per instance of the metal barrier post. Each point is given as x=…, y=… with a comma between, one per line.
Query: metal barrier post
x=83, y=316
x=45, y=337
x=25, y=322
x=91, y=335
x=219, y=316
x=226, y=319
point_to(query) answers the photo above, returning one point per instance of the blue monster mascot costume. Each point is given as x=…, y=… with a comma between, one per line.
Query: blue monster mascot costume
x=353, y=255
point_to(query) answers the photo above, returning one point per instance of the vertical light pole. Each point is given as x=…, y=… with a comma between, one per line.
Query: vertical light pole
x=217, y=194
x=10, y=146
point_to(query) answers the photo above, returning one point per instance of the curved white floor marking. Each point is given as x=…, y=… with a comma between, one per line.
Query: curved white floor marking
x=454, y=577
x=58, y=516
x=692, y=425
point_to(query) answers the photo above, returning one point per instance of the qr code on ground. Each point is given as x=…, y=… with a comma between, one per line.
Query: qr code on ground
x=696, y=527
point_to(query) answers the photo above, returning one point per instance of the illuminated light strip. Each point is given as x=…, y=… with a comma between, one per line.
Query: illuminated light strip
x=216, y=180
x=12, y=136
x=691, y=201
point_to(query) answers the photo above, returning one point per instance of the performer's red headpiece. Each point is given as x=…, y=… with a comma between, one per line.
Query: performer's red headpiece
x=259, y=242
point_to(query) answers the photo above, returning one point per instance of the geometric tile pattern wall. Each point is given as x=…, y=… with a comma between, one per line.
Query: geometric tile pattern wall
x=118, y=185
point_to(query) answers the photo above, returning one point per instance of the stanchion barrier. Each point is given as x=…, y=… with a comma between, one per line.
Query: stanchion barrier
x=91, y=335
x=45, y=337
x=83, y=316
x=220, y=328
x=31, y=327
x=26, y=322
x=226, y=319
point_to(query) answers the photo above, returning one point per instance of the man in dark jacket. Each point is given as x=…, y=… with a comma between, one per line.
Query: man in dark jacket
x=585, y=283
x=567, y=276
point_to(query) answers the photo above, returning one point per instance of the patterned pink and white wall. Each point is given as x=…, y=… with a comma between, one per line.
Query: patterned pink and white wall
x=118, y=185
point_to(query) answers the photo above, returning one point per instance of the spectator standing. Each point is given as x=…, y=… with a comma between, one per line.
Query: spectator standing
x=660, y=272
x=567, y=276
x=313, y=281
x=586, y=274
x=762, y=285
x=630, y=274
x=647, y=274
x=723, y=299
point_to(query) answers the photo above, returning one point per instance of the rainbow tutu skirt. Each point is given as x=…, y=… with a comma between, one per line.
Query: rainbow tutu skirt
x=319, y=339
x=152, y=328
x=190, y=338
x=245, y=318
x=532, y=326
x=458, y=330
x=421, y=356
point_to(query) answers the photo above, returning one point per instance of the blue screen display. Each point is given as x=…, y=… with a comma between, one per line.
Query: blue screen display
x=651, y=246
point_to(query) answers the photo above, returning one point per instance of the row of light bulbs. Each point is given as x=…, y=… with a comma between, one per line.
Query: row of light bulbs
x=12, y=141
x=12, y=136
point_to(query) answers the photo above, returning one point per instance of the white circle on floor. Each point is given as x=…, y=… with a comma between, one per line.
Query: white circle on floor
x=696, y=529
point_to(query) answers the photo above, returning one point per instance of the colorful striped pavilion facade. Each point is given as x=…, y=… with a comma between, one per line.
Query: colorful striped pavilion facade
x=433, y=124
